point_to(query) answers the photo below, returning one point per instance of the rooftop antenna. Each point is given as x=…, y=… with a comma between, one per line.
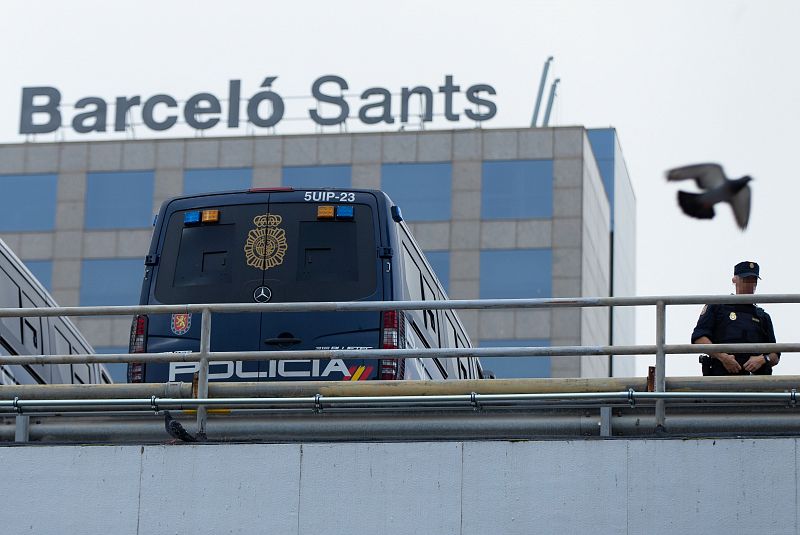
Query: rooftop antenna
x=550, y=102
x=541, y=91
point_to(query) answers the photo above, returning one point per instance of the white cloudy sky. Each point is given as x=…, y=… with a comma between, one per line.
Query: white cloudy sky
x=682, y=81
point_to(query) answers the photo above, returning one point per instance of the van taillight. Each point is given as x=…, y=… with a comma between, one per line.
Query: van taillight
x=137, y=345
x=393, y=336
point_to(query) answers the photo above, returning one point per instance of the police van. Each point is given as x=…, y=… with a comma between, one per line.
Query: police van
x=38, y=336
x=284, y=245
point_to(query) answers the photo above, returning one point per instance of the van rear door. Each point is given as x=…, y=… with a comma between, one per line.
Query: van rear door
x=206, y=262
x=330, y=253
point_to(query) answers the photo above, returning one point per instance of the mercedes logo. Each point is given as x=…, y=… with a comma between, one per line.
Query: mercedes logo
x=262, y=294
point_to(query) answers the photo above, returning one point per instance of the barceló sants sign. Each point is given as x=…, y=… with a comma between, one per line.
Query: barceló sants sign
x=42, y=111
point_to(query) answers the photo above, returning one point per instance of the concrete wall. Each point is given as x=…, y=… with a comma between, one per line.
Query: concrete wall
x=575, y=486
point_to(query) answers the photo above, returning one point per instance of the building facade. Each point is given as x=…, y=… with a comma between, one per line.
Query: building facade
x=501, y=213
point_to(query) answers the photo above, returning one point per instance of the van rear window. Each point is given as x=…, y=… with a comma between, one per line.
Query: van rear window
x=327, y=250
x=203, y=256
x=284, y=247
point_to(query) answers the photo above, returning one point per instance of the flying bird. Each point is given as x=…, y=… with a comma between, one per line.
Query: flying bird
x=716, y=188
x=176, y=430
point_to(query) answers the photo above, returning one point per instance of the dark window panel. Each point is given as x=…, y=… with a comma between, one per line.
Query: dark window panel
x=517, y=189
x=119, y=200
x=516, y=273
x=27, y=202
x=42, y=270
x=421, y=190
x=440, y=262
x=603, y=142
x=115, y=281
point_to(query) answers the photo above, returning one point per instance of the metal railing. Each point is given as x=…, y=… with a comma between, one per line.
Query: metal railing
x=205, y=356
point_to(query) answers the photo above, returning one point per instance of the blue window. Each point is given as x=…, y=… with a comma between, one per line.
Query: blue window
x=516, y=367
x=440, y=262
x=603, y=141
x=421, y=190
x=518, y=189
x=42, y=270
x=606, y=168
x=117, y=370
x=516, y=273
x=116, y=281
x=119, y=200
x=321, y=176
x=206, y=180
x=27, y=202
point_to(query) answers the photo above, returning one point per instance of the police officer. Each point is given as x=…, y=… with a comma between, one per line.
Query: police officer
x=736, y=324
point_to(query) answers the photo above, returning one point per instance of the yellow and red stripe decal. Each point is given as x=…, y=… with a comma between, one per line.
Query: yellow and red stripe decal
x=359, y=373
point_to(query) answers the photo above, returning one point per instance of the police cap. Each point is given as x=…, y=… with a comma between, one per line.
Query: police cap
x=746, y=269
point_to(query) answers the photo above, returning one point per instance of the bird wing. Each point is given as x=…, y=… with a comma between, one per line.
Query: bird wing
x=706, y=175
x=741, y=207
x=692, y=205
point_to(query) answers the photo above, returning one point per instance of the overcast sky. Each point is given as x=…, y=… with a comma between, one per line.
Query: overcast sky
x=681, y=81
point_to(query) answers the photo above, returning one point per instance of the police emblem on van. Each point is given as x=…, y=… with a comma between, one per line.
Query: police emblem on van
x=266, y=244
x=180, y=324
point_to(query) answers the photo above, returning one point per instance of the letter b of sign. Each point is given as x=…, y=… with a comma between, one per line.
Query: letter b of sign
x=49, y=108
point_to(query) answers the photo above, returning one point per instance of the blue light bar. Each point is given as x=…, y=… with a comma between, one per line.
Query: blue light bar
x=192, y=217
x=344, y=212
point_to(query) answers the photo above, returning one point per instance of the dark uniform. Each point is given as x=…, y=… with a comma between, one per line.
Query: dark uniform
x=735, y=324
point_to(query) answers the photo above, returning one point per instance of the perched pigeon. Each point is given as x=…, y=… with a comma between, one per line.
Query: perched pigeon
x=176, y=430
x=716, y=188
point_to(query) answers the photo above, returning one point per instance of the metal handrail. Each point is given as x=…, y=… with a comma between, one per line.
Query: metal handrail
x=377, y=306
x=205, y=356
x=374, y=354
x=319, y=402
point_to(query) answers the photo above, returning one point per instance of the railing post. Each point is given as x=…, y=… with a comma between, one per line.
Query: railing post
x=202, y=380
x=661, y=361
x=22, y=428
x=605, y=421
